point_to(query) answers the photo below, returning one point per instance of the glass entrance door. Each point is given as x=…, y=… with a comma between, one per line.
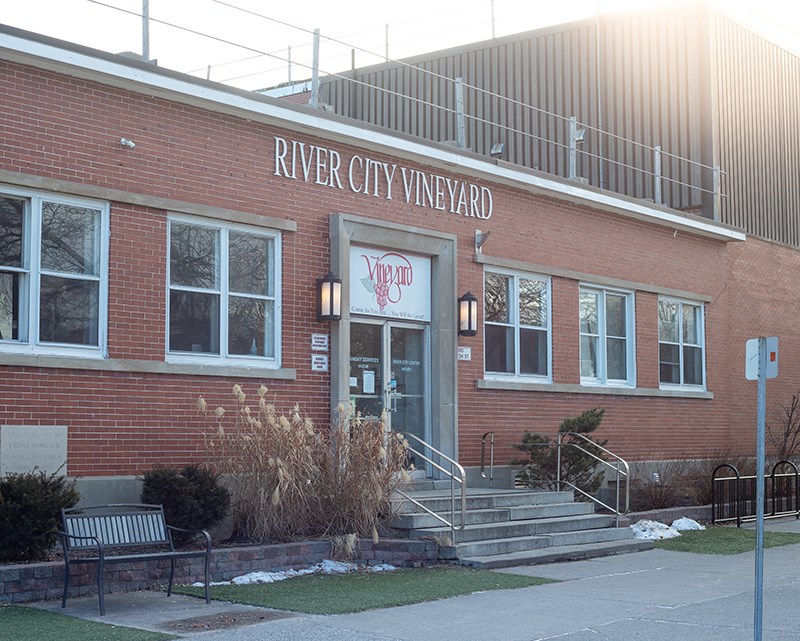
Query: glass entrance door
x=389, y=370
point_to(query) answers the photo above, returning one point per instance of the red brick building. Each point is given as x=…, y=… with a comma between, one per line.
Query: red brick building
x=161, y=237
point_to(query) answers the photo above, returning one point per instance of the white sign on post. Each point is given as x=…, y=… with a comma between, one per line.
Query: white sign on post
x=751, y=358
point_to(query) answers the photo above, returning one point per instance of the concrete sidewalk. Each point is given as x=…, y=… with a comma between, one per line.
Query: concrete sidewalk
x=668, y=596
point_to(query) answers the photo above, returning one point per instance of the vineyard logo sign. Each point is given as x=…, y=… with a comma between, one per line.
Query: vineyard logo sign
x=386, y=283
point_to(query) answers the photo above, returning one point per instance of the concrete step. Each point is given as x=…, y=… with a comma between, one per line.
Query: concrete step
x=511, y=529
x=417, y=520
x=480, y=499
x=493, y=546
x=420, y=520
x=582, y=537
x=555, y=554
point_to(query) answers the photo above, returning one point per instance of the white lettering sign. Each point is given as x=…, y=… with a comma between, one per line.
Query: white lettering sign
x=321, y=166
x=387, y=283
x=25, y=448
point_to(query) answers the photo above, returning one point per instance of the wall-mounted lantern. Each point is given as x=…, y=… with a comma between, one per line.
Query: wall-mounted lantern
x=467, y=315
x=329, y=298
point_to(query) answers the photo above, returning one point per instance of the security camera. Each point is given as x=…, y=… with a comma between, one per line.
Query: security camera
x=125, y=142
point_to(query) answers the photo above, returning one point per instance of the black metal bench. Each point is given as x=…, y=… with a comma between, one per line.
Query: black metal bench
x=90, y=532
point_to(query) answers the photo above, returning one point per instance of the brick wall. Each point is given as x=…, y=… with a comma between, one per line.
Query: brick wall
x=45, y=581
x=124, y=423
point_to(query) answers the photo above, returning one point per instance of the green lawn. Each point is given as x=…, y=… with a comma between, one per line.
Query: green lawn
x=28, y=624
x=343, y=593
x=722, y=539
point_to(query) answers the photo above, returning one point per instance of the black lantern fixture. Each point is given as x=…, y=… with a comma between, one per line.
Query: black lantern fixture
x=468, y=315
x=329, y=298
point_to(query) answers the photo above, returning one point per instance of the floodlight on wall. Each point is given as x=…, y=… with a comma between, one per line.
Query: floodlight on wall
x=329, y=298
x=468, y=315
x=498, y=149
x=127, y=142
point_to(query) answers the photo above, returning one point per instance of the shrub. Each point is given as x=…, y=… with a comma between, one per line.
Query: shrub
x=192, y=498
x=290, y=479
x=783, y=430
x=662, y=484
x=702, y=469
x=577, y=467
x=30, y=513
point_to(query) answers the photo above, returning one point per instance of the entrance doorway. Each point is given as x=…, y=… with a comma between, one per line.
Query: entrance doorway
x=389, y=370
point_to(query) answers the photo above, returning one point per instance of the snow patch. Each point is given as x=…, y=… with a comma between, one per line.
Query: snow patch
x=685, y=523
x=655, y=531
x=326, y=567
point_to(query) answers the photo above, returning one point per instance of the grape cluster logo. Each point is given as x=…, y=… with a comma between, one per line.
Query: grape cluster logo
x=387, y=275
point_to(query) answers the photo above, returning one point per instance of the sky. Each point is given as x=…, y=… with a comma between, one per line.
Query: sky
x=250, y=43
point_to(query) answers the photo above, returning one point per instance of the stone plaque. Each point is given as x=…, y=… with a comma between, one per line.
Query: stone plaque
x=24, y=448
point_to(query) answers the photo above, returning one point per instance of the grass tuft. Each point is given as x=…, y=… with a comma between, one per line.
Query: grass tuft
x=721, y=539
x=345, y=593
x=28, y=624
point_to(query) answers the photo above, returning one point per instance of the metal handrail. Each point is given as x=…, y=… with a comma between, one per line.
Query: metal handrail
x=616, y=467
x=456, y=474
x=491, y=457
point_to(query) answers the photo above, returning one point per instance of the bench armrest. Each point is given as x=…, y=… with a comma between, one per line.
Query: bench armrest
x=65, y=536
x=207, y=536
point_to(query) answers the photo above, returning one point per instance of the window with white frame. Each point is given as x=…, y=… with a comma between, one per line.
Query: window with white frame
x=680, y=343
x=223, y=291
x=53, y=274
x=516, y=324
x=606, y=334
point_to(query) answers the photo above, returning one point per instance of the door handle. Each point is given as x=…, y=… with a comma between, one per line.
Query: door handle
x=391, y=389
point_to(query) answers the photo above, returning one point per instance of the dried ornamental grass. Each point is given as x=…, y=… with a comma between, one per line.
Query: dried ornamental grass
x=290, y=479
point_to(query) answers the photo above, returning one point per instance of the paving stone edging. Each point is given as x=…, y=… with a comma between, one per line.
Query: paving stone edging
x=27, y=582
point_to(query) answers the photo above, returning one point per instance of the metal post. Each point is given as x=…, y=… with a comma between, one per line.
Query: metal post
x=461, y=129
x=657, y=174
x=208, y=73
x=386, y=39
x=289, y=63
x=313, y=101
x=572, y=170
x=762, y=412
x=716, y=188
x=146, y=30
x=558, y=463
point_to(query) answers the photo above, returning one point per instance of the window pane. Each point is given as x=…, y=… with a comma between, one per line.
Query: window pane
x=615, y=316
x=616, y=359
x=692, y=366
x=691, y=320
x=11, y=212
x=68, y=311
x=668, y=328
x=9, y=307
x=70, y=239
x=533, y=351
x=250, y=327
x=589, y=356
x=497, y=297
x=499, y=349
x=193, y=322
x=669, y=365
x=588, y=312
x=194, y=256
x=250, y=261
x=532, y=302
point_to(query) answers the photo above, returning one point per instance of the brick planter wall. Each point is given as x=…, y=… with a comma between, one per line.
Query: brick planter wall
x=45, y=581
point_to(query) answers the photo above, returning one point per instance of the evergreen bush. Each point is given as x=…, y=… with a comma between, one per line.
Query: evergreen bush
x=578, y=467
x=192, y=497
x=30, y=513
